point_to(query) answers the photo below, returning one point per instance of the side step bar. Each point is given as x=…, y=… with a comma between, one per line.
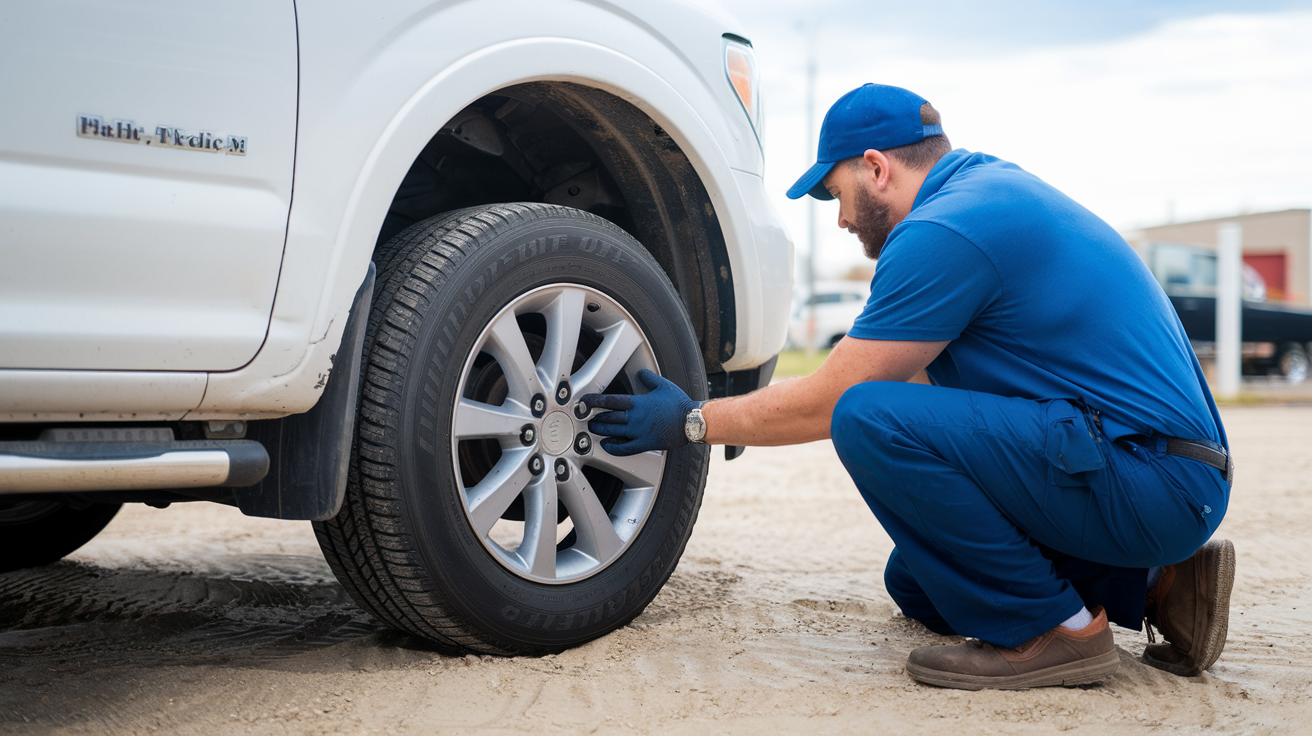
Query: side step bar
x=61, y=467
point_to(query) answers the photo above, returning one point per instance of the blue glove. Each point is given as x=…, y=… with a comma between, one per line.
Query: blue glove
x=651, y=421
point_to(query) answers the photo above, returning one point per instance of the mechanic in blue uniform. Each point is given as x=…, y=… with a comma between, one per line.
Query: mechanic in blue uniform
x=1066, y=467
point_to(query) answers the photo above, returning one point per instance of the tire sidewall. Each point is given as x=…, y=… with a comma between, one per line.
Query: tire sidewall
x=578, y=249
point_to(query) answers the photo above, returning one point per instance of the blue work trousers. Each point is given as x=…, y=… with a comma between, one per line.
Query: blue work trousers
x=1010, y=514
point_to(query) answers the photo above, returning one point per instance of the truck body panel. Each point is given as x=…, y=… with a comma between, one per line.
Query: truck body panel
x=135, y=238
x=376, y=83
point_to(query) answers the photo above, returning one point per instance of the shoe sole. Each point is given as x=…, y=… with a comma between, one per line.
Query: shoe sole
x=1219, y=564
x=1081, y=672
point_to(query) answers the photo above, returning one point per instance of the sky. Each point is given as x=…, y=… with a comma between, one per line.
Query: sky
x=1145, y=112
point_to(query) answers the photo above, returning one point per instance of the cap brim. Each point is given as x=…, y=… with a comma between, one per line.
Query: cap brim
x=810, y=183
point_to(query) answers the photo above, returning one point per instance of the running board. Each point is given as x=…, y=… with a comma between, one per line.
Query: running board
x=64, y=467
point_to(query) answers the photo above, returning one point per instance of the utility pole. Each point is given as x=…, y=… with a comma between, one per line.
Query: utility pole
x=1229, y=306
x=812, y=143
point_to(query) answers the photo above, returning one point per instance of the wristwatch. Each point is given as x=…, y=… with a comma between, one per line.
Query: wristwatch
x=694, y=426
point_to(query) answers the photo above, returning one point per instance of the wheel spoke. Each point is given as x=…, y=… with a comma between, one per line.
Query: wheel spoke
x=643, y=469
x=505, y=342
x=564, y=320
x=621, y=340
x=538, y=550
x=489, y=499
x=597, y=537
x=476, y=420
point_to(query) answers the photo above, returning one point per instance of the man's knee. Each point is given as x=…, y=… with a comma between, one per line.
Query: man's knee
x=860, y=408
x=868, y=412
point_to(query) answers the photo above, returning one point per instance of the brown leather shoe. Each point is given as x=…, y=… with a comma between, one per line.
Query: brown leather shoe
x=1190, y=606
x=1059, y=657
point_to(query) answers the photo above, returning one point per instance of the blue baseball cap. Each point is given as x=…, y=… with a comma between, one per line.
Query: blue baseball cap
x=871, y=116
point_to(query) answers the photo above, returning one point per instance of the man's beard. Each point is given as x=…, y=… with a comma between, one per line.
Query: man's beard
x=874, y=221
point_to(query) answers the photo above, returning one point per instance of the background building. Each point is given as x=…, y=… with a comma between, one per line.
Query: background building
x=1278, y=245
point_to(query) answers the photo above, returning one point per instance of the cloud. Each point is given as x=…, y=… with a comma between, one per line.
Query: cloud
x=1200, y=116
x=957, y=27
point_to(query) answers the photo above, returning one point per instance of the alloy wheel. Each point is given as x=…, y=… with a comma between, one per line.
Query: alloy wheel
x=539, y=491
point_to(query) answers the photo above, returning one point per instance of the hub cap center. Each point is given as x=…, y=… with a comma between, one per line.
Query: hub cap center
x=557, y=432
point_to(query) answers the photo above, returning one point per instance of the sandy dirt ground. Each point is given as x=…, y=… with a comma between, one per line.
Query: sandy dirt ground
x=195, y=619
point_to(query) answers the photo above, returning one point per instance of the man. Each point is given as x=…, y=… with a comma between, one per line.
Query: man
x=1066, y=467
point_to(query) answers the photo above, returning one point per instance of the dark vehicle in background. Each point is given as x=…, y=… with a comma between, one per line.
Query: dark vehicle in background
x=1277, y=336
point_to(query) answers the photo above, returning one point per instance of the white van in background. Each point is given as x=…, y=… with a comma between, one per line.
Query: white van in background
x=835, y=306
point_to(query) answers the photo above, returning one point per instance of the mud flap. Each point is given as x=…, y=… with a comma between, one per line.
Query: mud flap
x=309, y=453
x=737, y=383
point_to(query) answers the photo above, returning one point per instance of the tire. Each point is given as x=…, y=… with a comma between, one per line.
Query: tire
x=1293, y=362
x=457, y=527
x=36, y=533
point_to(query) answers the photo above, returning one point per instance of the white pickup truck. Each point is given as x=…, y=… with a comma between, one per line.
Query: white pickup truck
x=355, y=263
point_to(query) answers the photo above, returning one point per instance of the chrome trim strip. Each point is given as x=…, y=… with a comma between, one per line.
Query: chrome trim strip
x=174, y=469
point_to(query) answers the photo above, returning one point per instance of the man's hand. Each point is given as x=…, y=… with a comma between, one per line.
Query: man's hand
x=651, y=421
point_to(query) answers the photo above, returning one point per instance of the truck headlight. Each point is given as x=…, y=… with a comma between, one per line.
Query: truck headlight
x=740, y=68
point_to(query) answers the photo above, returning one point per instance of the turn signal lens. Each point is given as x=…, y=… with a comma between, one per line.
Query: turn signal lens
x=740, y=66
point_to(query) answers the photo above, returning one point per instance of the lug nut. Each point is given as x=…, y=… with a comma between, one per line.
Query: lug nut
x=582, y=443
x=538, y=405
x=528, y=435
x=581, y=410
x=562, y=392
x=535, y=465
x=562, y=469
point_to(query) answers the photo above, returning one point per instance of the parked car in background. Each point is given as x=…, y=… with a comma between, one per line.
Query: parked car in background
x=499, y=207
x=836, y=306
x=1277, y=337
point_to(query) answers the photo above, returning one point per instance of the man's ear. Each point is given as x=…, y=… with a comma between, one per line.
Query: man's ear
x=878, y=168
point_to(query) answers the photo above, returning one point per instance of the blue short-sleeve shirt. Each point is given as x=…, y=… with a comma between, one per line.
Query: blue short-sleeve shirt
x=1038, y=298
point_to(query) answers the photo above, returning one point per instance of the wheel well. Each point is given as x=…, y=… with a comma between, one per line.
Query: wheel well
x=568, y=144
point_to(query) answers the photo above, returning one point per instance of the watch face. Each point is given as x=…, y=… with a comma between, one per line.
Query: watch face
x=695, y=426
